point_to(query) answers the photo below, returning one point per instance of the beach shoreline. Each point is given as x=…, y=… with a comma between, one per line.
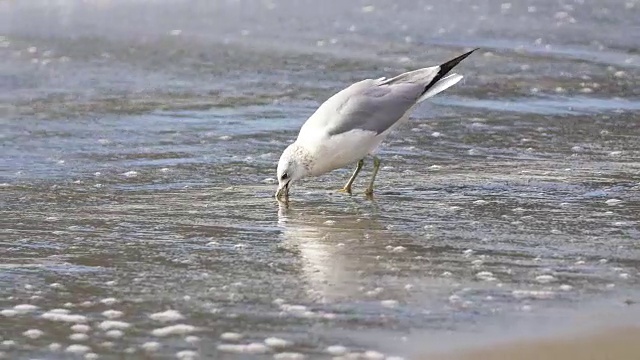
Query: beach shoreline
x=620, y=343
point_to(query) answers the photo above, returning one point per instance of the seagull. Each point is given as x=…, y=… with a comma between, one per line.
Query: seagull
x=352, y=123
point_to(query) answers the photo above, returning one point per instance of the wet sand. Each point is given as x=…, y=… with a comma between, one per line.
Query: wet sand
x=614, y=343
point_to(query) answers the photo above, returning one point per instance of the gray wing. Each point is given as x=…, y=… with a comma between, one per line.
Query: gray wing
x=372, y=105
x=374, y=108
x=376, y=105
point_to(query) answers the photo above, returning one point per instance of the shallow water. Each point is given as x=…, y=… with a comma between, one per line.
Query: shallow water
x=138, y=160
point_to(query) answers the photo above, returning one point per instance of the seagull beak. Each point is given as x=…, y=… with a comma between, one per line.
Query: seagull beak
x=283, y=191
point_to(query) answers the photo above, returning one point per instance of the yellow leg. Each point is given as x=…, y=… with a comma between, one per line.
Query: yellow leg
x=376, y=167
x=347, y=187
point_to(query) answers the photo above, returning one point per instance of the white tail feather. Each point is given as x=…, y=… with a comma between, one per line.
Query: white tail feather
x=440, y=86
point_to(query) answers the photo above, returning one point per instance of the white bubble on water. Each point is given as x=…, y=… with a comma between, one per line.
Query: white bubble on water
x=545, y=279
x=336, y=350
x=114, y=324
x=8, y=313
x=620, y=74
x=81, y=328
x=350, y=356
x=130, y=174
x=274, y=342
x=91, y=356
x=533, y=294
x=166, y=316
x=55, y=347
x=56, y=286
x=77, y=349
x=389, y=303
x=293, y=308
x=253, y=348
x=486, y=276
x=151, y=346
x=232, y=348
x=565, y=287
x=231, y=336
x=612, y=202
x=289, y=356
x=63, y=315
x=112, y=314
x=375, y=291
x=25, y=308
x=192, y=339
x=373, y=355
x=79, y=337
x=33, y=333
x=8, y=343
x=109, y=301
x=179, y=329
x=187, y=355
x=106, y=344
x=114, y=334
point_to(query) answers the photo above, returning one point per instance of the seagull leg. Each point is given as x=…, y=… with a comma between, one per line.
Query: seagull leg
x=376, y=167
x=347, y=187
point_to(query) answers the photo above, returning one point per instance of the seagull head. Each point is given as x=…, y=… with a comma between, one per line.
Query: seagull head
x=293, y=165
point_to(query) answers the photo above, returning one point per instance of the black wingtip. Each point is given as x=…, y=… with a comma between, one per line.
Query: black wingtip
x=446, y=67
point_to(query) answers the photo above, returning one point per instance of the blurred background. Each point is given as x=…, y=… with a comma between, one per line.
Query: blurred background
x=139, y=141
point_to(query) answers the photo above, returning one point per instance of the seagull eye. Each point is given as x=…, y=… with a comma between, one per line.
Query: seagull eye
x=284, y=176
